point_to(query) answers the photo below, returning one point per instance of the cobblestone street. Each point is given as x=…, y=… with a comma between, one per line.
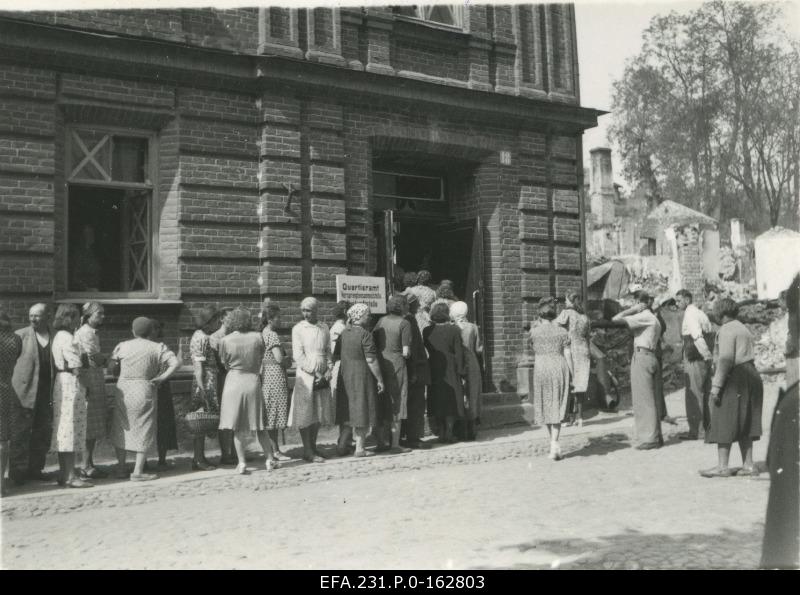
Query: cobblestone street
x=499, y=503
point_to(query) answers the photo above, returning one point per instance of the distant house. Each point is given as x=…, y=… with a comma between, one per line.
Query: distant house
x=671, y=214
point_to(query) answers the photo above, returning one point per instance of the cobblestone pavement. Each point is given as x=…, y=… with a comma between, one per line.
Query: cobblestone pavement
x=495, y=504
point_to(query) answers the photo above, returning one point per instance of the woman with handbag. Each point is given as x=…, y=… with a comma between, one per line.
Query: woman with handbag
x=241, y=408
x=312, y=404
x=274, y=387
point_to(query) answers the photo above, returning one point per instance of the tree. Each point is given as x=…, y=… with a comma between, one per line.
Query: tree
x=707, y=112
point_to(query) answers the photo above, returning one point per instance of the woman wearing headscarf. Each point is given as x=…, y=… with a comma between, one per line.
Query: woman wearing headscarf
x=736, y=396
x=445, y=294
x=241, y=409
x=166, y=430
x=204, y=379
x=551, y=373
x=448, y=366
x=360, y=379
x=392, y=334
x=138, y=365
x=93, y=377
x=312, y=404
x=344, y=444
x=274, y=387
x=473, y=347
x=10, y=350
x=574, y=320
x=69, y=396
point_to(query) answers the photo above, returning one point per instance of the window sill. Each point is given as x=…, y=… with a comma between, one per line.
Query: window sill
x=119, y=301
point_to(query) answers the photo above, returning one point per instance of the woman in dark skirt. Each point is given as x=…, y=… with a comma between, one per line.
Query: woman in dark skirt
x=736, y=395
x=448, y=366
x=360, y=378
x=166, y=432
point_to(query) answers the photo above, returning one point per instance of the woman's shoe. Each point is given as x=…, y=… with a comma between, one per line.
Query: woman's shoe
x=313, y=458
x=143, y=476
x=79, y=483
x=271, y=464
x=93, y=473
x=241, y=469
x=363, y=454
x=279, y=456
x=202, y=466
x=747, y=472
x=399, y=450
x=716, y=472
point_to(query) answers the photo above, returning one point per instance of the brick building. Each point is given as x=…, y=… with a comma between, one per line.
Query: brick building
x=159, y=160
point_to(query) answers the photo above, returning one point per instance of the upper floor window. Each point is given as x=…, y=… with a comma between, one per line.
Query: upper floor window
x=452, y=15
x=109, y=235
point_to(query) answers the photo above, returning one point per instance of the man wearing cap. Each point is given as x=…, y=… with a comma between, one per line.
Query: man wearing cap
x=31, y=411
x=696, y=333
x=644, y=366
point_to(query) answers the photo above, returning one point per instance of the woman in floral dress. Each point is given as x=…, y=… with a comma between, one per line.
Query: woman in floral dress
x=69, y=396
x=10, y=350
x=138, y=363
x=274, y=388
x=204, y=379
x=551, y=373
x=578, y=327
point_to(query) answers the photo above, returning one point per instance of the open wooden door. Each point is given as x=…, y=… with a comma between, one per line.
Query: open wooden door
x=460, y=258
x=384, y=228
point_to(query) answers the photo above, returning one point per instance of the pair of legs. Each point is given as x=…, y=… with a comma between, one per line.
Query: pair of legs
x=66, y=465
x=446, y=428
x=3, y=464
x=345, y=442
x=554, y=431
x=724, y=454
x=576, y=416
x=226, y=447
x=89, y=469
x=138, y=466
x=696, y=379
x=263, y=438
x=309, y=437
x=360, y=435
x=31, y=430
x=272, y=436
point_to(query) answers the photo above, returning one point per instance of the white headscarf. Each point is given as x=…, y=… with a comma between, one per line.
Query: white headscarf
x=309, y=303
x=458, y=311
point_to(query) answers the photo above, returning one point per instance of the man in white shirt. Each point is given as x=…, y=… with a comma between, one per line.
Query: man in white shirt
x=646, y=331
x=697, y=332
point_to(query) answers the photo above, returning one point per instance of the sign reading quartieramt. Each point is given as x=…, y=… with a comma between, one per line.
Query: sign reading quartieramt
x=362, y=290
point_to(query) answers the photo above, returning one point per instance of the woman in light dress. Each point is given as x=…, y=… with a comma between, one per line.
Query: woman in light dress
x=551, y=373
x=138, y=364
x=93, y=377
x=578, y=326
x=241, y=351
x=312, y=404
x=473, y=347
x=274, y=387
x=69, y=396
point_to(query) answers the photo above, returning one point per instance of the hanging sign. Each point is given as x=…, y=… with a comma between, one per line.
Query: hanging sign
x=362, y=290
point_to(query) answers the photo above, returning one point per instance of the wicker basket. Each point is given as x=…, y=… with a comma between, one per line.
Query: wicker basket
x=201, y=423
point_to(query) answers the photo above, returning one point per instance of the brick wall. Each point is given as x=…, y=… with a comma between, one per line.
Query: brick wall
x=532, y=54
x=268, y=193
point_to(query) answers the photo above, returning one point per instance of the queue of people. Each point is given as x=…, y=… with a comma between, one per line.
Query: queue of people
x=420, y=358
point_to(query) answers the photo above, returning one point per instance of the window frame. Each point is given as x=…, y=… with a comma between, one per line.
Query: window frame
x=151, y=174
x=434, y=24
